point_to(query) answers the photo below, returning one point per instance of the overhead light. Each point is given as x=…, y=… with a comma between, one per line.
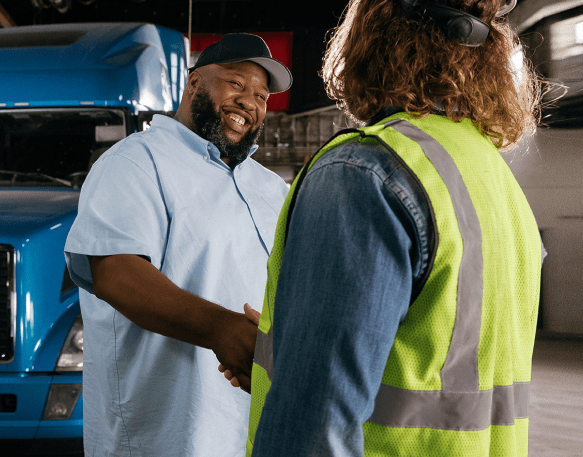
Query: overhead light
x=579, y=33
x=62, y=6
x=41, y=3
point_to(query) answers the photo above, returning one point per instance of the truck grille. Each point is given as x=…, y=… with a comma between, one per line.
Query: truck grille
x=7, y=305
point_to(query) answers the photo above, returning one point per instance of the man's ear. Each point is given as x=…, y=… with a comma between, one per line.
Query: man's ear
x=193, y=81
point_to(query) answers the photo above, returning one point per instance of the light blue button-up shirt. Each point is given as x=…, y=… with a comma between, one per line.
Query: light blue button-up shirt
x=165, y=194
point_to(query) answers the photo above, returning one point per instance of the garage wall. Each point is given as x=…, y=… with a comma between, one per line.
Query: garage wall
x=549, y=168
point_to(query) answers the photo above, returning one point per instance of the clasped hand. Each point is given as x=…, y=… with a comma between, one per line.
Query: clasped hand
x=237, y=362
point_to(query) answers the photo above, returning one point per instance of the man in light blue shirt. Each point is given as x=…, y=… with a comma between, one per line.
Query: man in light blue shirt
x=174, y=229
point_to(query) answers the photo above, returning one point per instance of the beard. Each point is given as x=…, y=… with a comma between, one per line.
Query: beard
x=208, y=124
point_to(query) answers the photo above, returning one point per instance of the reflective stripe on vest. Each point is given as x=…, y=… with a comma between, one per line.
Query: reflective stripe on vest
x=431, y=408
x=264, y=352
x=460, y=372
x=459, y=405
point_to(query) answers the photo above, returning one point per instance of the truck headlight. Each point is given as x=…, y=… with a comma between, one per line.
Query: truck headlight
x=71, y=356
x=62, y=401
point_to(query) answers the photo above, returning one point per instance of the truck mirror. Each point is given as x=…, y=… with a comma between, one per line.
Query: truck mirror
x=145, y=118
x=109, y=133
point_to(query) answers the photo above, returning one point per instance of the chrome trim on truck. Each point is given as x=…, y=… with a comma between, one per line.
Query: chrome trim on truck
x=7, y=303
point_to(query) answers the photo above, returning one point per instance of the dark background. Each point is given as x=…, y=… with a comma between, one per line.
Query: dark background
x=217, y=16
x=308, y=25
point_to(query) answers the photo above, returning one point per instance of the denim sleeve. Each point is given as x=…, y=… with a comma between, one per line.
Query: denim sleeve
x=345, y=285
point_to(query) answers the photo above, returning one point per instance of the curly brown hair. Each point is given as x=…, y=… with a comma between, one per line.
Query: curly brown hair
x=377, y=57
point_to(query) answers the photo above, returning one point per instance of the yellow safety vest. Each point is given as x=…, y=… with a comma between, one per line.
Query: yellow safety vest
x=457, y=378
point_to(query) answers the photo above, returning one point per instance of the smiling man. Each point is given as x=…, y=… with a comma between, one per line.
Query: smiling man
x=233, y=126
x=173, y=233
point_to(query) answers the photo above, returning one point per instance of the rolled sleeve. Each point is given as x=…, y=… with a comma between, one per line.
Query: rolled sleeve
x=121, y=211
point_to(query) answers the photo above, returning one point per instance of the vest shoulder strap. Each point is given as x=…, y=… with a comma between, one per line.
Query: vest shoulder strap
x=306, y=168
x=360, y=134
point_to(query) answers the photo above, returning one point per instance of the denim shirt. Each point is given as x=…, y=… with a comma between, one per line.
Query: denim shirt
x=358, y=243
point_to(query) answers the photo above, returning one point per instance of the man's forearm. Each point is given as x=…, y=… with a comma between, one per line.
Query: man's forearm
x=139, y=291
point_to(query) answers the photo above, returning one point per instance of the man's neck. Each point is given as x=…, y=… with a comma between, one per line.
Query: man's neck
x=230, y=163
x=185, y=121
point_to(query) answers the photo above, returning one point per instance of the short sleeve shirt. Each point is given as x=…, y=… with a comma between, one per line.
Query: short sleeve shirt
x=165, y=194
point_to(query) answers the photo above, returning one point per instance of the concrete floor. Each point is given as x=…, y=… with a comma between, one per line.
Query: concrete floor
x=556, y=399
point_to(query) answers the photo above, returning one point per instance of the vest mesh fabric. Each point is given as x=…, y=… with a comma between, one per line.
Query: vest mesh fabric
x=511, y=255
x=259, y=380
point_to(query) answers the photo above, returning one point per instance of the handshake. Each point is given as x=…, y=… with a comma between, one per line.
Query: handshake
x=236, y=352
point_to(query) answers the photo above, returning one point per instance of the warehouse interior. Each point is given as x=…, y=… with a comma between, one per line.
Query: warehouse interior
x=547, y=165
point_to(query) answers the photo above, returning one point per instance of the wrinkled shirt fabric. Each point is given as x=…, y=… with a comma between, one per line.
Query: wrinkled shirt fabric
x=165, y=194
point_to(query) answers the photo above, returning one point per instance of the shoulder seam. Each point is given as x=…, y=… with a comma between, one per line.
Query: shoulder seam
x=137, y=166
x=392, y=187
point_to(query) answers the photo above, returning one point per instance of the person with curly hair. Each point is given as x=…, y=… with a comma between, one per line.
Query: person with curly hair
x=401, y=304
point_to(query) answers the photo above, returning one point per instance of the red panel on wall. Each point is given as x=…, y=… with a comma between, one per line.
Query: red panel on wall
x=280, y=44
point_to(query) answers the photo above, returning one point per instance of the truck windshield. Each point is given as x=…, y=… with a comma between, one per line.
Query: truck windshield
x=55, y=147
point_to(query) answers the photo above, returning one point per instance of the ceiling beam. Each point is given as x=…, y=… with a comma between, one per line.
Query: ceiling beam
x=526, y=14
x=5, y=19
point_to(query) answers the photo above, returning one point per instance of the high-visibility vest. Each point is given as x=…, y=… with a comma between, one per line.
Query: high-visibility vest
x=457, y=378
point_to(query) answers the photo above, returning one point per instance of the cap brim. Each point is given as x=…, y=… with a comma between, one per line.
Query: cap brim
x=280, y=78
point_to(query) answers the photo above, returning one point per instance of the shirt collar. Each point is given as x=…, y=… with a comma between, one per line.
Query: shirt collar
x=197, y=143
x=390, y=110
x=383, y=113
x=215, y=154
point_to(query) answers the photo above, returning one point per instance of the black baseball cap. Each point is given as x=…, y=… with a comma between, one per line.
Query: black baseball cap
x=237, y=47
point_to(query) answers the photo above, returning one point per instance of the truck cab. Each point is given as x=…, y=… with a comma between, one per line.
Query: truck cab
x=68, y=92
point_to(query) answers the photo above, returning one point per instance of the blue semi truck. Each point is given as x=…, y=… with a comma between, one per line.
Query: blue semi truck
x=67, y=93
